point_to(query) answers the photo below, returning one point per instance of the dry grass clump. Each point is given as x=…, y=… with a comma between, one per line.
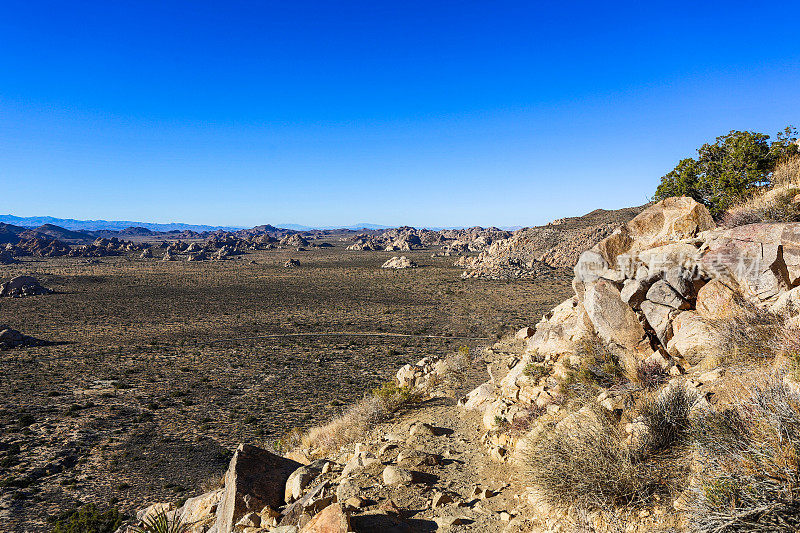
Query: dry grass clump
x=587, y=466
x=667, y=419
x=773, y=204
x=589, y=463
x=750, y=470
x=754, y=335
x=650, y=375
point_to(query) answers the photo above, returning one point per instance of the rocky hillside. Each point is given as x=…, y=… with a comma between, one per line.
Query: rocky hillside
x=532, y=251
x=663, y=396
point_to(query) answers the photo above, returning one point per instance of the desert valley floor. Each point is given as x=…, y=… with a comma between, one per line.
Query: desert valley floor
x=156, y=370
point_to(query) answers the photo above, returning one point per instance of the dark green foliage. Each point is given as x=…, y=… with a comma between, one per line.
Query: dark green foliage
x=89, y=519
x=734, y=165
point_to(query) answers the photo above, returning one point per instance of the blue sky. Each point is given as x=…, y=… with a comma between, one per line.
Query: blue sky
x=331, y=113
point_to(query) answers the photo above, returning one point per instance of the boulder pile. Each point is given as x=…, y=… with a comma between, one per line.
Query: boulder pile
x=398, y=263
x=559, y=244
x=406, y=239
x=22, y=286
x=652, y=294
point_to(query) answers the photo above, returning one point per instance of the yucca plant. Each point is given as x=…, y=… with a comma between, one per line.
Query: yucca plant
x=160, y=522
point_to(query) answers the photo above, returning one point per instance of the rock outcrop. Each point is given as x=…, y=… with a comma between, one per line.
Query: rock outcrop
x=398, y=263
x=22, y=286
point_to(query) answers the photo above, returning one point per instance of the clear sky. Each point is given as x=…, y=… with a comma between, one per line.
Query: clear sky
x=416, y=112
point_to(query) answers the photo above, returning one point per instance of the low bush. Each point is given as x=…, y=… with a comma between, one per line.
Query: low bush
x=667, y=419
x=88, y=519
x=651, y=375
x=754, y=335
x=599, y=368
x=588, y=462
x=587, y=466
x=750, y=470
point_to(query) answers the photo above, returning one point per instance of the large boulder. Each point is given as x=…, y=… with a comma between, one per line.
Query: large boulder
x=332, y=519
x=693, y=338
x=751, y=257
x=613, y=319
x=662, y=293
x=561, y=329
x=668, y=221
x=21, y=286
x=399, y=263
x=660, y=319
x=255, y=478
x=716, y=299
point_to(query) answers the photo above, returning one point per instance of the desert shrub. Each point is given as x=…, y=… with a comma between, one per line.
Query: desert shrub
x=735, y=165
x=88, y=519
x=666, y=418
x=749, y=477
x=536, y=372
x=587, y=466
x=599, y=368
x=651, y=375
x=161, y=522
x=392, y=397
x=754, y=335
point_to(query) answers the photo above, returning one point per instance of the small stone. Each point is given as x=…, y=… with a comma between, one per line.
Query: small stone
x=356, y=502
x=421, y=428
x=393, y=475
x=450, y=521
x=441, y=498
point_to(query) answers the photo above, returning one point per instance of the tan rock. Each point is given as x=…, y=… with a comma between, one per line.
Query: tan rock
x=751, y=257
x=613, y=319
x=255, y=478
x=716, y=299
x=660, y=319
x=561, y=329
x=693, y=339
x=662, y=293
x=332, y=519
x=393, y=475
x=524, y=333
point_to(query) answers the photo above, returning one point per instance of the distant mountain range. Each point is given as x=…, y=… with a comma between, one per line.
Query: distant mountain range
x=119, y=225
x=106, y=225
x=354, y=227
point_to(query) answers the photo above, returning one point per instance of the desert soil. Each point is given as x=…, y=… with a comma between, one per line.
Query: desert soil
x=158, y=369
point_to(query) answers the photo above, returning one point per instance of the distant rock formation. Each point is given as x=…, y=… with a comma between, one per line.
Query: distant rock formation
x=22, y=286
x=398, y=263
